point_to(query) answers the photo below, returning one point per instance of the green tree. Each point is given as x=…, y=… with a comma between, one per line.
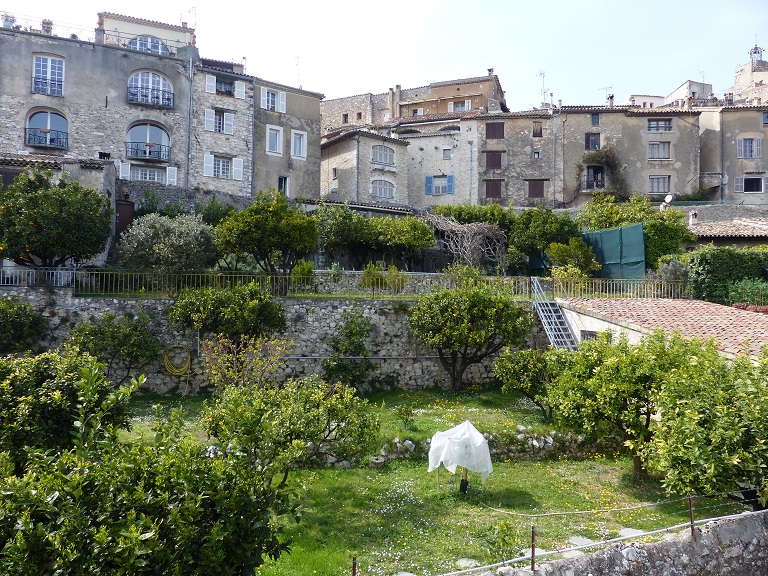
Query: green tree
x=245, y=310
x=247, y=361
x=45, y=224
x=275, y=234
x=403, y=237
x=174, y=245
x=21, y=326
x=466, y=325
x=535, y=230
x=527, y=372
x=341, y=230
x=214, y=211
x=124, y=344
x=492, y=212
x=576, y=253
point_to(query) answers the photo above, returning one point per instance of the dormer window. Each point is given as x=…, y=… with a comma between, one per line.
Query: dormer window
x=149, y=44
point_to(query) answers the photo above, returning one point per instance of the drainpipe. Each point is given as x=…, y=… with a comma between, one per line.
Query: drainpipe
x=722, y=158
x=473, y=200
x=253, y=139
x=190, y=75
x=554, y=154
x=357, y=171
x=562, y=155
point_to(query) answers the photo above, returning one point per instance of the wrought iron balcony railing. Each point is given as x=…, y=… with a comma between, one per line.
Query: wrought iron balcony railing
x=46, y=138
x=593, y=183
x=42, y=85
x=146, y=95
x=148, y=151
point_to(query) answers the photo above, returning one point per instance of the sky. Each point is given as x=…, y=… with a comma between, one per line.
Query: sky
x=578, y=50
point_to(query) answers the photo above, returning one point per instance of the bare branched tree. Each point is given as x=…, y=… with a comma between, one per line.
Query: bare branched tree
x=469, y=243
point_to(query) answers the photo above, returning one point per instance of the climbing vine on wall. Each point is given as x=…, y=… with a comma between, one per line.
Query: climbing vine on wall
x=606, y=157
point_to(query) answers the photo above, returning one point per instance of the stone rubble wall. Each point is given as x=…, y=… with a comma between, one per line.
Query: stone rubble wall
x=310, y=325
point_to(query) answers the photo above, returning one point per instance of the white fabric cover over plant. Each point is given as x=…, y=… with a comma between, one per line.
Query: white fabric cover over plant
x=463, y=446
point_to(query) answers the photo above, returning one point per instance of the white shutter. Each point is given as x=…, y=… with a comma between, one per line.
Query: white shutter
x=239, y=89
x=758, y=148
x=450, y=106
x=229, y=123
x=420, y=112
x=738, y=184
x=237, y=168
x=765, y=184
x=467, y=105
x=281, y=102
x=125, y=170
x=210, y=84
x=263, y=97
x=170, y=175
x=210, y=120
x=208, y=165
x=739, y=148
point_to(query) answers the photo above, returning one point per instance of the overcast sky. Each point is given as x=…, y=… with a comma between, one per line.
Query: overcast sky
x=579, y=50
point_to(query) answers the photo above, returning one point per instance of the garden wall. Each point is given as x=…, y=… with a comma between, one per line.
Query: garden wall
x=310, y=325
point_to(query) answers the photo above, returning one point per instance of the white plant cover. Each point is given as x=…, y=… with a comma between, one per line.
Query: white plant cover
x=463, y=446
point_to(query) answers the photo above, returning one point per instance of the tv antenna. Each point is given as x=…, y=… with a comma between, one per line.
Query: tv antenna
x=544, y=90
x=606, y=88
x=298, y=73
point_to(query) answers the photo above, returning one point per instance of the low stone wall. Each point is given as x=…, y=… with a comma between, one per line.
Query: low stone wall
x=310, y=325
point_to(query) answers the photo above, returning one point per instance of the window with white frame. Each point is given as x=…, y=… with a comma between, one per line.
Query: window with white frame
x=47, y=129
x=274, y=140
x=298, y=144
x=659, y=184
x=334, y=173
x=464, y=106
x=382, y=190
x=149, y=44
x=146, y=174
x=382, y=155
x=218, y=166
x=440, y=184
x=219, y=121
x=447, y=153
x=221, y=167
x=223, y=86
x=150, y=88
x=749, y=148
x=751, y=184
x=272, y=99
x=659, y=124
x=765, y=119
x=284, y=185
x=148, y=141
x=659, y=151
x=48, y=76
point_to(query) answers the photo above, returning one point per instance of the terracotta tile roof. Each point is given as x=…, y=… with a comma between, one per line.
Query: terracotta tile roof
x=381, y=206
x=339, y=136
x=49, y=161
x=662, y=111
x=731, y=327
x=534, y=113
x=433, y=117
x=741, y=228
x=142, y=21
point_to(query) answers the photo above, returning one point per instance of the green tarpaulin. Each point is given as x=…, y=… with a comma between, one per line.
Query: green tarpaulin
x=621, y=251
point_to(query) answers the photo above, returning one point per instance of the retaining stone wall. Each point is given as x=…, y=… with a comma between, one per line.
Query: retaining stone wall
x=310, y=325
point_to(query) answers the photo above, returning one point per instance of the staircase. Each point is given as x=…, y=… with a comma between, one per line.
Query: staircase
x=552, y=318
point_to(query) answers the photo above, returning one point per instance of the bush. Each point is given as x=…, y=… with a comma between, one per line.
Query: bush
x=712, y=269
x=303, y=274
x=349, y=340
x=750, y=290
x=372, y=277
x=21, y=326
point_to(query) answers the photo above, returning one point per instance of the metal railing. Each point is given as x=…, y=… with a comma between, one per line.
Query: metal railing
x=46, y=138
x=148, y=95
x=147, y=151
x=594, y=183
x=43, y=85
x=616, y=288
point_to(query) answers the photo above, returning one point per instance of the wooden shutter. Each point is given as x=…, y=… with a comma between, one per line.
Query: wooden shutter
x=449, y=184
x=586, y=141
x=535, y=188
x=765, y=184
x=237, y=168
x=738, y=184
x=758, y=149
x=429, y=185
x=420, y=112
x=450, y=106
x=492, y=160
x=208, y=165
x=210, y=84
x=263, y=97
x=125, y=170
x=281, y=101
x=239, y=89
x=494, y=130
x=493, y=188
x=739, y=148
x=467, y=105
x=229, y=123
x=210, y=120
x=170, y=175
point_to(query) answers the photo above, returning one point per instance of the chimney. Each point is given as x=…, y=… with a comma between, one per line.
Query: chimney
x=693, y=217
x=47, y=26
x=610, y=100
x=490, y=71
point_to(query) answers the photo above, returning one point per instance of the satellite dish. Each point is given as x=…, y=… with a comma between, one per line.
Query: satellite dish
x=668, y=198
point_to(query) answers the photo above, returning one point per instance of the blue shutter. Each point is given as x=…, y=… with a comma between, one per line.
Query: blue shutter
x=429, y=185
x=449, y=184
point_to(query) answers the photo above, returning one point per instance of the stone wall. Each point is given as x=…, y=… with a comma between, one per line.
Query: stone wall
x=310, y=325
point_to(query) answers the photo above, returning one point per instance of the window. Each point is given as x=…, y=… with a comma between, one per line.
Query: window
x=493, y=188
x=298, y=144
x=438, y=185
x=595, y=119
x=274, y=140
x=48, y=77
x=222, y=167
x=492, y=160
x=224, y=86
x=383, y=155
x=383, y=190
x=272, y=100
x=594, y=179
x=150, y=88
x=660, y=125
x=659, y=151
x=537, y=130
x=749, y=148
x=536, y=154
x=147, y=174
x=359, y=115
x=751, y=184
x=284, y=185
x=335, y=173
x=47, y=129
x=149, y=44
x=148, y=141
x=536, y=188
x=494, y=130
x=345, y=118
x=658, y=184
x=447, y=153
x=464, y=106
x=765, y=118
x=592, y=141
x=418, y=112
x=219, y=121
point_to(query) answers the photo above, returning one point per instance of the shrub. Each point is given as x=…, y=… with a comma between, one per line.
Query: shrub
x=750, y=290
x=303, y=274
x=349, y=340
x=372, y=277
x=712, y=269
x=249, y=361
x=21, y=326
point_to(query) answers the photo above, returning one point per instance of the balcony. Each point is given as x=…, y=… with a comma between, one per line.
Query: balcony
x=42, y=85
x=592, y=183
x=148, y=151
x=44, y=138
x=153, y=96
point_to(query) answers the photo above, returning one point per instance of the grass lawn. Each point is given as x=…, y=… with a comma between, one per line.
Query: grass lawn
x=401, y=518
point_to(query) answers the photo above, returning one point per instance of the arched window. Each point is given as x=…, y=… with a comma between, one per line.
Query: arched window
x=149, y=44
x=382, y=190
x=149, y=142
x=383, y=155
x=48, y=129
x=150, y=88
